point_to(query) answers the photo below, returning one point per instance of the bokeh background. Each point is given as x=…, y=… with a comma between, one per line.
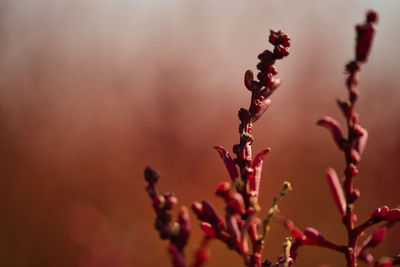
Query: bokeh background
x=93, y=91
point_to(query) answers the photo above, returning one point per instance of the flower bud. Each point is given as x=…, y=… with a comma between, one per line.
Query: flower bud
x=379, y=212
x=248, y=79
x=351, y=170
x=274, y=37
x=372, y=16
x=355, y=194
x=209, y=213
x=280, y=52
x=361, y=142
x=275, y=83
x=313, y=234
x=222, y=188
x=358, y=130
x=285, y=40
x=355, y=156
x=377, y=237
x=392, y=215
x=170, y=200
x=197, y=208
x=365, y=36
x=159, y=202
x=151, y=175
x=272, y=69
x=267, y=57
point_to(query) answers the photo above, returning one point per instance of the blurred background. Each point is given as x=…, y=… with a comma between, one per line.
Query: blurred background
x=91, y=92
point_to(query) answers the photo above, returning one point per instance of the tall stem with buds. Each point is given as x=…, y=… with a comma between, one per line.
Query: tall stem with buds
x=344, y=194
x=241, y=194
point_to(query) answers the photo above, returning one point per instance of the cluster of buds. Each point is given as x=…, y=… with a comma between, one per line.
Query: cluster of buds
x=178, y=234
x=353, y=146
x=267, y=83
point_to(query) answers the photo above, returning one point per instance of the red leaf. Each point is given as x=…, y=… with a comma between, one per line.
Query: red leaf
x=336, y=190
x=334, y=127
x=257, y=167
x=228, y=161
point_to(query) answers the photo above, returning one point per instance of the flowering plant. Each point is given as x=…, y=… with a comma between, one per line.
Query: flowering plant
x=241, y=229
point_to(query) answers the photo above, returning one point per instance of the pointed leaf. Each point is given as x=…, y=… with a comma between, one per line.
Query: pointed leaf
x=334, y=127
x=336, y=190
x=228, y=161
x=257, y=167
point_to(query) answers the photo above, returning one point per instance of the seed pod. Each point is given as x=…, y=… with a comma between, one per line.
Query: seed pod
x=248, y=79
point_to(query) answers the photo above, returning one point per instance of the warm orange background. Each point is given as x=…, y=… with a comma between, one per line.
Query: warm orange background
x=93, y=91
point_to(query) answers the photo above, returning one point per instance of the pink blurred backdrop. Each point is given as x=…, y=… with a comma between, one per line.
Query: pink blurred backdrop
x=93, y=91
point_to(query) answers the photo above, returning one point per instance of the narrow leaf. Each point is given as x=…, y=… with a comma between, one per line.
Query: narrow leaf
x=334, y=127
x=228, y=161
x=336, y=190
x=257, y=167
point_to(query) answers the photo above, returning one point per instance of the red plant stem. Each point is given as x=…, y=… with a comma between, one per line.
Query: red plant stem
x=329, y=245
x=352, y=148
x=363, y=43
x=348, y=183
